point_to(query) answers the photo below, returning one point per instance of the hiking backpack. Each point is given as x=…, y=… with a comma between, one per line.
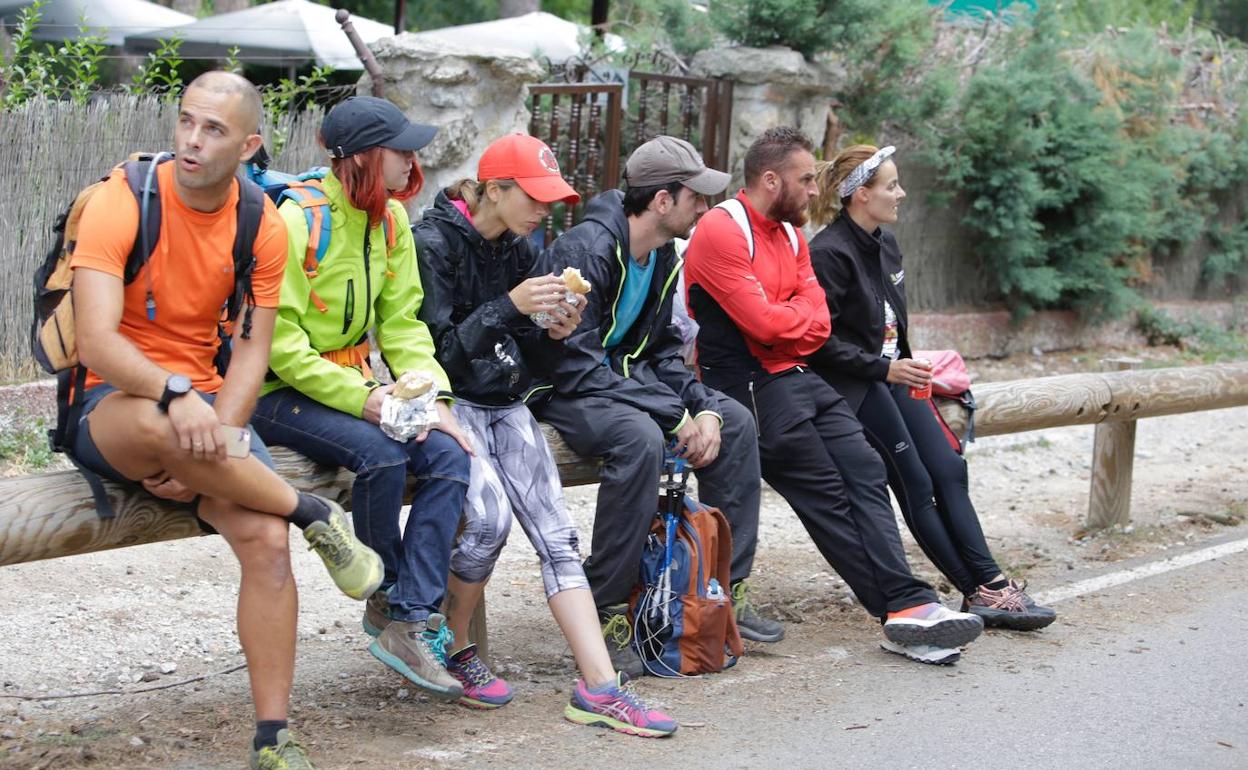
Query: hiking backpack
x=681, y=612
x=307, y=191
x=52, y=335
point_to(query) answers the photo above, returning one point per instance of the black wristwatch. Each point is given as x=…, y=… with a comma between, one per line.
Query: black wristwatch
x=177, y=385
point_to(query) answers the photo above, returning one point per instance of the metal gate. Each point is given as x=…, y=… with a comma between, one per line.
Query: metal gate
x=593, y=127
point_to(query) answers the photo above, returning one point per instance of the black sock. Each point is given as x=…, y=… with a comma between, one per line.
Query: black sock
x=308, y=510
x=266, y=732
x=997, y=585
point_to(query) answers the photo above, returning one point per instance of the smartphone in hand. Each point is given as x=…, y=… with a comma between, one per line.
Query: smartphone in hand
x=237, y=441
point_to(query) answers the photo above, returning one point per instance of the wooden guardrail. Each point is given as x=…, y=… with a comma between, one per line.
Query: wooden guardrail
x=52, y=514
x=1112, y=400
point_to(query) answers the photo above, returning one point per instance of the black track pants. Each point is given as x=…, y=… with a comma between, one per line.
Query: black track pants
x=930, y=482
x=631, y=444
x=814, y=454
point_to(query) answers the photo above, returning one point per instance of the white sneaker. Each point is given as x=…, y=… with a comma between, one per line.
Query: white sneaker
x=924, y=653
x=941, y=627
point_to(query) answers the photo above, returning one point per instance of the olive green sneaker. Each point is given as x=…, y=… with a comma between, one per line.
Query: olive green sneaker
x=356, y=569
x=288, y=754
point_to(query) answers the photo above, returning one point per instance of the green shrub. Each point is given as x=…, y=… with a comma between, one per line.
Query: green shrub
x=805, y=26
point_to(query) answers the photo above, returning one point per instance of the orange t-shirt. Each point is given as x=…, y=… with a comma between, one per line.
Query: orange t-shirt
x=191, y=271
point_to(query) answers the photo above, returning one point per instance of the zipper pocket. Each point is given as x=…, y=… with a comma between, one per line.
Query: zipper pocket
x=348, y=312
x=758, y=429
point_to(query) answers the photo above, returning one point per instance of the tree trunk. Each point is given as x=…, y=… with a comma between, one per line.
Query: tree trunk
x=228, y=6
x=509, y=8
x=185, y=6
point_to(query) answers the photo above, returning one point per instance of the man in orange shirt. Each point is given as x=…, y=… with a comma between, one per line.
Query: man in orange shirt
x=156, y=410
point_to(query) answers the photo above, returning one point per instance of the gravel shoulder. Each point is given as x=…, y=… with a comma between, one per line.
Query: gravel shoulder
x=158, y=614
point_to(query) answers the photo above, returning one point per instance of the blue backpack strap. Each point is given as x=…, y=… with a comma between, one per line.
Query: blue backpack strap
x=309, y=196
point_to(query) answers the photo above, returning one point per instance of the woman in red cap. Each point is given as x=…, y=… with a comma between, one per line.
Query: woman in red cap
x=475, y=254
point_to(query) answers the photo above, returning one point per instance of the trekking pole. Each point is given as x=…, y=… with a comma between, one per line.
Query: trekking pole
x=343, y=17
x=674, y=486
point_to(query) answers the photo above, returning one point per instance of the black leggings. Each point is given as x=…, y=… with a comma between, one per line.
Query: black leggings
x=930, y=482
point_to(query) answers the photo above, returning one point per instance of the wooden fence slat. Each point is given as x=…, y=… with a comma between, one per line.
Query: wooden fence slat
x=1113, y=455
x=1087, y=399
x=53, y=515
x=51, y=150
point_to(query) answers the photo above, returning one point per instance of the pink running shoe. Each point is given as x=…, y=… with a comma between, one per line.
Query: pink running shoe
x=615, y=705
x=482, y=690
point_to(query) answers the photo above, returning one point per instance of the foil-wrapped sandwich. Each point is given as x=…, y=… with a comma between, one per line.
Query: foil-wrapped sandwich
x=408, y=410
x=576, y=286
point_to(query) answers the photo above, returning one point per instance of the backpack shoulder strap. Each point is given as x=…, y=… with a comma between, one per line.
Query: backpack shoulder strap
x=310, y=196
x=792, y=233
x=736, y=210
x=144, y=183
x=250, y=212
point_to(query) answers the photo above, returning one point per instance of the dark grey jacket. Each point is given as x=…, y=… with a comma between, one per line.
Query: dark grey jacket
x=646, y=370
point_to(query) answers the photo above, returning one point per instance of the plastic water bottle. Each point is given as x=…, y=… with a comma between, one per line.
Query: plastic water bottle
x=714, y=590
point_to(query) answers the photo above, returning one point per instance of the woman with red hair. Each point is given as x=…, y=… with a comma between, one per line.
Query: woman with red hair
x=351, y=270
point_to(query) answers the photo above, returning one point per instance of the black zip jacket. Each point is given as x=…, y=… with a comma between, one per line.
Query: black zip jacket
x=487, y=347
x=646, y=370
x=858, y=271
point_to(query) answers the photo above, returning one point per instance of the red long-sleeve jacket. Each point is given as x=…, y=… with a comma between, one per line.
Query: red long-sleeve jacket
x=765, y=313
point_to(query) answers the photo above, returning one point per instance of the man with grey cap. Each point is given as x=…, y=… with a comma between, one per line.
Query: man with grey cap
x=622, y=392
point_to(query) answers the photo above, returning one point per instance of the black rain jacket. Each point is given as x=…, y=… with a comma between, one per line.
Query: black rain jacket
x=646, y=370
x=490, y=350
x=858, y=271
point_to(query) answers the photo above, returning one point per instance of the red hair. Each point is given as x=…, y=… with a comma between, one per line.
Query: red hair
x=365, y=186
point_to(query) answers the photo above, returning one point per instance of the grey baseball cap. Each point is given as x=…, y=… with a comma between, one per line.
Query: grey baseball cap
x=666, y=159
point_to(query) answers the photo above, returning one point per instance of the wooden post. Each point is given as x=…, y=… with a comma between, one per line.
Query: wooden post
x=1113, y=453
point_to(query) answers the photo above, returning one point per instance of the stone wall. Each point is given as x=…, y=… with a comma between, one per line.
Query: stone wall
x=774, y=86
x=473, y=96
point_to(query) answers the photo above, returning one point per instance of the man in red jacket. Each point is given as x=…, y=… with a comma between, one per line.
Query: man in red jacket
x=762, y=312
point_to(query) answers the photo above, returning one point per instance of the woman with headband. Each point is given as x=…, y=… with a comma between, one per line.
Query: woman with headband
x=868, y=360
x=482, y=307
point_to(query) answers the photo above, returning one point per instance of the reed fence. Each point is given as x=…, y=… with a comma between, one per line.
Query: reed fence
x=51, y=150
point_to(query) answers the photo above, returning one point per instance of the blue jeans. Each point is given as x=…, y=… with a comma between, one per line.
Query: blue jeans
x=418, y=558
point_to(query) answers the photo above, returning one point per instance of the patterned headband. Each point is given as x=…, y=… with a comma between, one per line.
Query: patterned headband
x=862, y=174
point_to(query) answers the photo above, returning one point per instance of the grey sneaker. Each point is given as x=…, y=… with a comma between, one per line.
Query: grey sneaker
x=288, y=754
x=932, y=624
x=924, y=653
x=1008, y=607
x=377, y=613
x=618, y=634
x=418, y=651
x=356, y=569
x=753, y=626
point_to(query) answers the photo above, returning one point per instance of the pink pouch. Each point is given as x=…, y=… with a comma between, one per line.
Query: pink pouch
x=950, y=376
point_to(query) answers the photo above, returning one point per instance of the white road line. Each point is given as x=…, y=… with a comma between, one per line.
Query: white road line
x=1101, y=582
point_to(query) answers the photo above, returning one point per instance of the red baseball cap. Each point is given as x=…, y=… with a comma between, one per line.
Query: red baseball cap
x=530, y=163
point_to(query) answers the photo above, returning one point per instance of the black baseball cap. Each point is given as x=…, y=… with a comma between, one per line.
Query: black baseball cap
x=364, y=122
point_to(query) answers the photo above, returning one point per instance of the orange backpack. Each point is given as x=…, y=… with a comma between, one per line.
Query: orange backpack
x=682, y=617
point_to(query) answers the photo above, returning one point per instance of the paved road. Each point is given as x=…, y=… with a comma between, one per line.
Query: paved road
x=1150, y=674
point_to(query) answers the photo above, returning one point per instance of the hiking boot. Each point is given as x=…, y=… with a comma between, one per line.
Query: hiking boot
x=376, y=613
x=355, y=568
x=286, y=755
x=618, y=633
x=924, y=653
x=417, y=650
x=1008, y=607
x=482, y=690
x=616, y=706
x=932, y=624
x=753, y=626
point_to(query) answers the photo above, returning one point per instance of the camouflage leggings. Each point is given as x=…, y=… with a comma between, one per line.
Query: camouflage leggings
x=514, y=472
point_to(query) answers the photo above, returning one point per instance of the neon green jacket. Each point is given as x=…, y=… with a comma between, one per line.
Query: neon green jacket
x=359, y=298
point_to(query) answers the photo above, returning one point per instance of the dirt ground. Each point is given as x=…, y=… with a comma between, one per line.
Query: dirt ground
x=157, y=615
